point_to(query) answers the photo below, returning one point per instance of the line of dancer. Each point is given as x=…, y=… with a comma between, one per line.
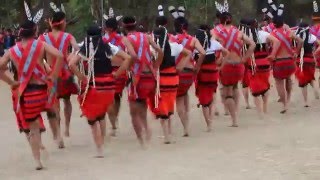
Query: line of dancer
x=157, y=69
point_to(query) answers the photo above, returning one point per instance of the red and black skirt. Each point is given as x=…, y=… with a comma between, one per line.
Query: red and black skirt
x=207, y=84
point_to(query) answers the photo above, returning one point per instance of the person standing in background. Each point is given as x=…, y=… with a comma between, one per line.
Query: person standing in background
x=9, y=39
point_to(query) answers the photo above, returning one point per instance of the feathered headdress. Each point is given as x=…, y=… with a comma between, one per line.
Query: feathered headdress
x=273, y=10
x=222, y=8
x=160, y=10
x=36, y=18
x=316, y=13
x=111, y=15
x=56, y=9
x=176, y=13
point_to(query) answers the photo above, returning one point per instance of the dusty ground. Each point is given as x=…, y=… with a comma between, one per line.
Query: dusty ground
x=280, y=147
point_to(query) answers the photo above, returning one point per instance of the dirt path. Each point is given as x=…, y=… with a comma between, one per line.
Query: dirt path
x=280, y=147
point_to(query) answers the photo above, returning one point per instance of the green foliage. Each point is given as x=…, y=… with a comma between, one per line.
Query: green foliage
x=84, y=12
x=79, y=9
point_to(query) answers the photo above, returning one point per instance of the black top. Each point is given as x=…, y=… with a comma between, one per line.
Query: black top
x=102, y=61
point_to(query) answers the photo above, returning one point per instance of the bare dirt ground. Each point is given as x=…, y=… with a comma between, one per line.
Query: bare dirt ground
x=279, y=147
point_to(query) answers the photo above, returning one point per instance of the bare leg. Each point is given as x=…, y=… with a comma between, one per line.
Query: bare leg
x=144, y=121
x=305, y=96
x=207, y=117
x=280, y=85
x=180, y=102
x=265, y=99
x=136, y=122
x=35, y=143
x=113, y=115
x=103, y=128
x=165, y=129
x=54, y=121
x=98, y=139
x=223, y=100
x=315, y=90
x=236, y=95
x=67, y=115
x=215, y=106
x=288, y=89
x=245, y=92
x=231, y=105
x=258, y=103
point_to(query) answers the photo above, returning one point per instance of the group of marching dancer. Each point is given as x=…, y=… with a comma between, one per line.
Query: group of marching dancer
x=158, y=69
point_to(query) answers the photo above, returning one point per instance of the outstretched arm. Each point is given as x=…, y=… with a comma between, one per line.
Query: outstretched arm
x=59, y=58
x=73, y=62
x=248, y=41
x=275, y=43
x=74, y=44
x=125, y=64
x=299, y=43
x=225, y=54
x=158, y=50
x=186, y=56
x=130, y=48
x=3, y=68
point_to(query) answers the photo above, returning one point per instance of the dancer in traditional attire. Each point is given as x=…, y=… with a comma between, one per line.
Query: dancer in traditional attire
x=187, y=76
x=31, y=93
x=245, y=80
x=112, y=36
x=315, y=29
x=168, y=78
x=66, y=83
x=232, y=69
x=284, y=65
x=306, y=61
x=97, y=80
x=143, y=83
x=259, y=65
x=207, y=78
x=269, y=14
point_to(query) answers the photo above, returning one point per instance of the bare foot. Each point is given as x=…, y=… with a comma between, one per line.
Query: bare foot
x=67, y=133
x=186, y=135
x=234, y=125
x=60, y=144
x=99, y=153
x=306, y=106
x=248, y=107
x=113, y=133
x=39, y=166
x=283, y=112
x=216, y=113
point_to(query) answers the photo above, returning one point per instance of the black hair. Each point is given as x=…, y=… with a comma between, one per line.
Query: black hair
x=9, y=30
x=94, y=33
x=112, y=23
x=129, y=23
x=161, y=21
x=304, y=34
x=203, y=34
x=162, y=38
x=27, y=29
x=278, y=21
x=159, y=34
x=58, y=17
x=181, y=24
x=225, y=18
x=94, y=30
